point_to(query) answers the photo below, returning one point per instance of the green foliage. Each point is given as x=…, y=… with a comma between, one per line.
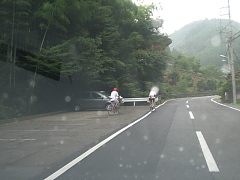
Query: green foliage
x=201, y=85
x=211, y=71
x=187, y=64
x=173, y=77
x=185, y=74
x=7, y=112
x=99, y=44
x=182, y=86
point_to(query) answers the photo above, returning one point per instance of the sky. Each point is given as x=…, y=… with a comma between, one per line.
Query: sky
x=178, y=13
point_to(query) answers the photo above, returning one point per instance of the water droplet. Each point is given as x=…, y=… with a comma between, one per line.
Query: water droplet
x=67, y=98
x=32, y=83
x=217, y=141
x=162, y=156
x=145, y=137
x=5, y=95
x=216, y=40
x=33, y=99
x=220, y=152
x=203, y=117
x=192, y=162
x=181, y=149
x=128, y=133
x=99, y=113
x=98, y=121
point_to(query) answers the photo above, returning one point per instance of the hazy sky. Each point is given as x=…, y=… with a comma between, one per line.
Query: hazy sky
x=178, y=13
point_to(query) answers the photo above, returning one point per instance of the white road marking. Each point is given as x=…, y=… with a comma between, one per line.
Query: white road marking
x=191, y=115
x=187, y=106
x=187, y=102
x=212, y=166
x=17, y=139
x=224, y=105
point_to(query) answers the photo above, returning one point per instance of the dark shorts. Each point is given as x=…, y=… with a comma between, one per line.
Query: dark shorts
x=152, y=99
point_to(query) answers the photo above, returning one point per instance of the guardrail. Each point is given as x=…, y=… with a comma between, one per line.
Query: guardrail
x=134, y=100
x=145, y=99
x=189, y=94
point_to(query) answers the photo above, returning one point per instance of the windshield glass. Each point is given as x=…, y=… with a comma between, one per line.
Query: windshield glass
x=174, y=64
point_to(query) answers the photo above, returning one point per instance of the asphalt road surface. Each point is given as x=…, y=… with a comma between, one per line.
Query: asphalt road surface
x=183, y=139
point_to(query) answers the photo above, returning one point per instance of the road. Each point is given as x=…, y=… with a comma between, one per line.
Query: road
x=184, y=139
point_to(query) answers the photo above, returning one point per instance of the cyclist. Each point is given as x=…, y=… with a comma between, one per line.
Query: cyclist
x=152, y=96
x=114, y=96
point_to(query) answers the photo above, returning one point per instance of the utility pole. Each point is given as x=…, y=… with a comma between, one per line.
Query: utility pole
x=230, y=40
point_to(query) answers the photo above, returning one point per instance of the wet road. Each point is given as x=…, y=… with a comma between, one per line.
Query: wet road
x=189, y=138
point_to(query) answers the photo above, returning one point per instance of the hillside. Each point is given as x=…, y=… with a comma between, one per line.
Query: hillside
x=205, y=39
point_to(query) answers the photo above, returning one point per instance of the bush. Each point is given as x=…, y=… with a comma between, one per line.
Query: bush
x=7, y=112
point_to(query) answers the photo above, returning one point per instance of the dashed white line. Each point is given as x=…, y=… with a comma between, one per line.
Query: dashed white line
x=212, y=166
x=191, y=115
x=187, y=106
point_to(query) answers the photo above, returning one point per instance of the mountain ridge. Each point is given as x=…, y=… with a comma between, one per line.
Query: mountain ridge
x=206, y=40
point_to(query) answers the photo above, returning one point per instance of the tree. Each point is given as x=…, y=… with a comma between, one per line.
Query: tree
x=173, y=77
x=201, y=85
x=211, y=71
x=53, y=15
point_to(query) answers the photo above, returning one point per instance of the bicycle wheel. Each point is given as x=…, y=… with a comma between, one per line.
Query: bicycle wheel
x=111, y=109
x=121, y=109
x=152, y=106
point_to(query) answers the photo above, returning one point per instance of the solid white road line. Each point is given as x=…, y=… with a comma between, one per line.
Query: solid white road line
x=191, y=115
x=212, y=166
x=224, y=105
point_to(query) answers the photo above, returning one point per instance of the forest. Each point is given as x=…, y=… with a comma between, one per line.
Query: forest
x=51, y=49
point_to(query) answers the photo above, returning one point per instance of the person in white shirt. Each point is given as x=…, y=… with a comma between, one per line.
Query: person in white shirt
x=114, y=96
x=152, y=96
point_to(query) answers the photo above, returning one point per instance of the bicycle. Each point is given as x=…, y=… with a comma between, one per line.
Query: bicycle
x=152, y=107
x=113, y=108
